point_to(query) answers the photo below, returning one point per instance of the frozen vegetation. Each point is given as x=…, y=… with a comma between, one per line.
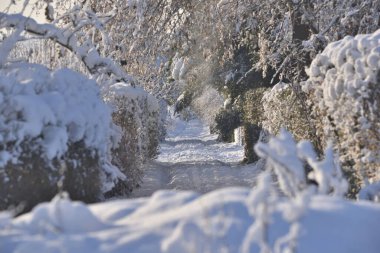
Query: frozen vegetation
x=344, y=87
x=190, y=126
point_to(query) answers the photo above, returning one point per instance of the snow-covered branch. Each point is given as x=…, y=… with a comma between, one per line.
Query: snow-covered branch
x=288, y=160
x=85, y=51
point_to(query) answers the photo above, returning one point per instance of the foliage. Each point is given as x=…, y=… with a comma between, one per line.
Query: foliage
x=283, y=109
x=343, y=91
x=252, y=106
x=286, y=162
x=44, y=142
x=80, y=138
x=136, y=113
x=225, y=122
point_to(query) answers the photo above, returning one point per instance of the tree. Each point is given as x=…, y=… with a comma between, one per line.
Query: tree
x=57, y=165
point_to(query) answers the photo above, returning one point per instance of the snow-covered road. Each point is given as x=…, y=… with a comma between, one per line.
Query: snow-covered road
x=192, y=159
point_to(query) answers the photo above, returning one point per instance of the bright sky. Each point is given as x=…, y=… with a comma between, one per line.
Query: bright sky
x=37, y=14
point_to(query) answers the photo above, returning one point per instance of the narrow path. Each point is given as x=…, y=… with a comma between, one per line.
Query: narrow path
x=192, y=159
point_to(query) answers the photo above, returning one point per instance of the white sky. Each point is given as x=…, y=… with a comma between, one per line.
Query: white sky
x=18, y=7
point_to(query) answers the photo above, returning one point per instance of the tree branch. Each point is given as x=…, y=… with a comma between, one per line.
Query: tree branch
x=85, y=52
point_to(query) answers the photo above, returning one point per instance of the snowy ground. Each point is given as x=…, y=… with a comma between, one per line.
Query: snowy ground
x=184, y=222
x=173, y=221
x=191, y=159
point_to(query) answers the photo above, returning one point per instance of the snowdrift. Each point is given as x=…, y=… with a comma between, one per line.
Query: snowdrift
x=187, y=222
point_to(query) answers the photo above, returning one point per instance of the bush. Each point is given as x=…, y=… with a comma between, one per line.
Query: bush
x=137, y=114
x=32, y=180
x=252, y=110
x=225, y=123
x=252, y=106
x=344, y=93
x=50, y=134
x=283, y=109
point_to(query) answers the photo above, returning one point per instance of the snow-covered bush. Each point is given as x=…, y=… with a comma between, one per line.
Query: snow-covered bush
x=283, y=109
x=50, y=134
x=370, y=192
x=287, y=161
x=225, y=122
x=296, y=165
x=78, y=32
x=137, y=114
x=252, y=107
x=344, y=93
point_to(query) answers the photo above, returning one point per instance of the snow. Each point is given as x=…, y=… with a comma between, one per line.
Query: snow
x=288, y=161
x=353, y=62
x=60, y=215
x=46, y=109
x=187, y=222
x=190, y=158
x=129, y=92
x=370, y=192
x=343, y=93
x=36, y=101
x=222, y=219
x=328, y=174
x=282, y=151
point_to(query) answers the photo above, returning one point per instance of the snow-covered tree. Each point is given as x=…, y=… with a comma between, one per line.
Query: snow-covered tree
x=59, y=134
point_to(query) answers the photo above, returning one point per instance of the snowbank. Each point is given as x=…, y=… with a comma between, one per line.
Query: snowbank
x=186, y=222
